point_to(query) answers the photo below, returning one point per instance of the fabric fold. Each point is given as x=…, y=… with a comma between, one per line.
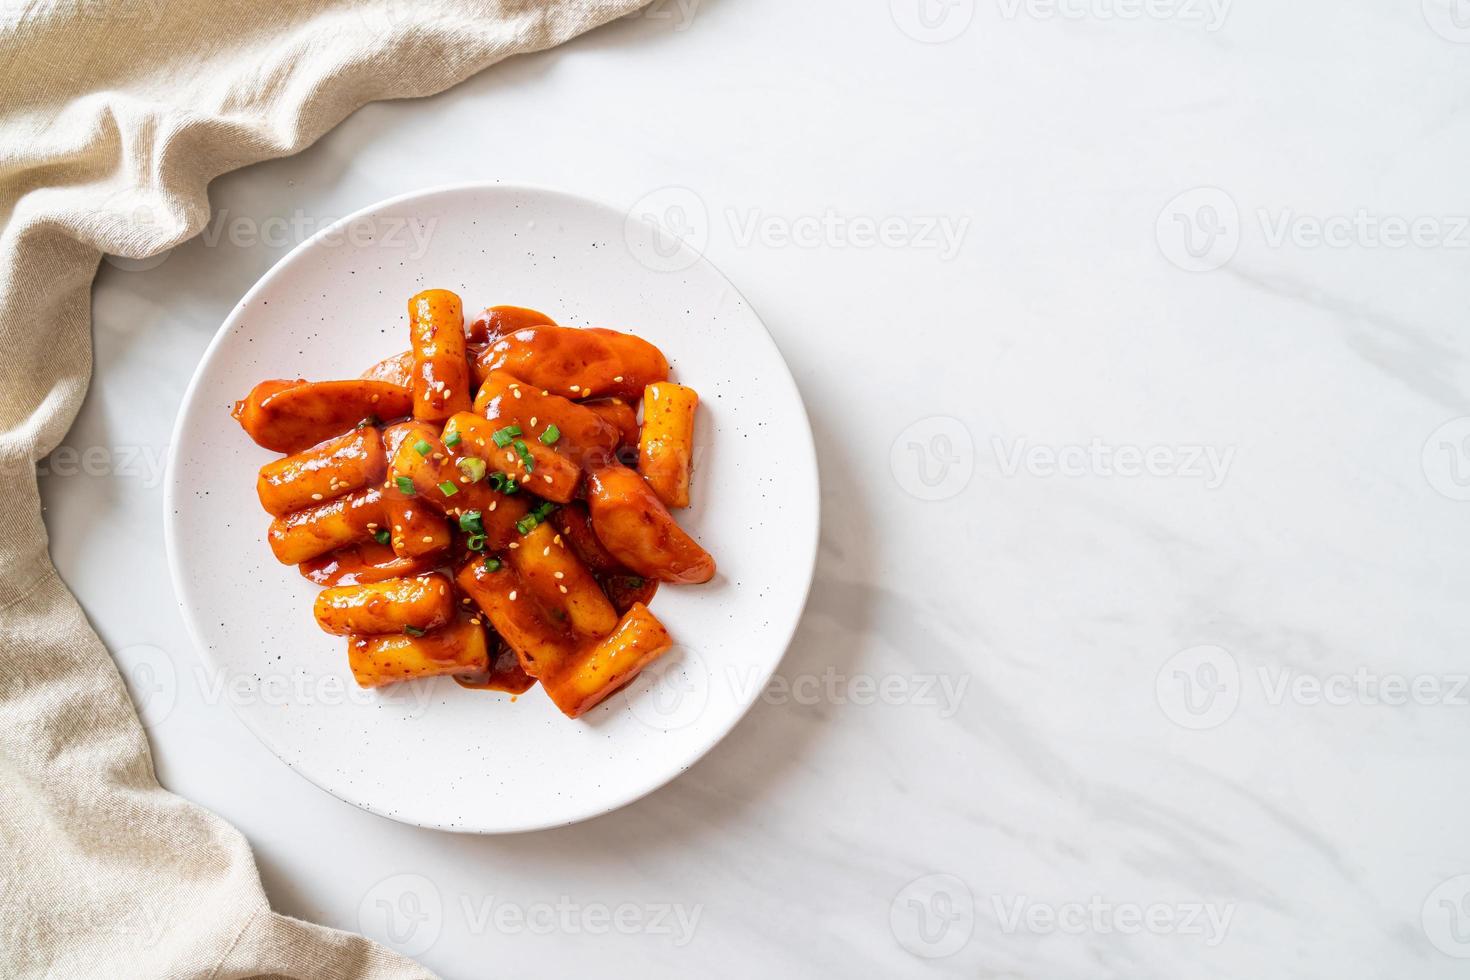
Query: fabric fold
x=113, y=121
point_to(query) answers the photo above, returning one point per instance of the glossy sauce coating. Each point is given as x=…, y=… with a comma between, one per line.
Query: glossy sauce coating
x=423, y=603
x=432, y=473
x=582, y=436
x=441, y=374
x=375, y=515
x=599, y=671
x=585, y=363
x=621, y=416
x=301, y=414
x=540, y=642
x=361, y=563
x=666, y=448
x=498, y=320
x=622, y=586
x=416, y=529
x=397, y=370
x=314, y=531
x=548, y=474
x=324, y=472
x=551, y=573
x=637, y=529
x=459, y=648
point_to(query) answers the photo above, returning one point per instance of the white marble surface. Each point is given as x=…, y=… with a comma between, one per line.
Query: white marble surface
x=1100, y=717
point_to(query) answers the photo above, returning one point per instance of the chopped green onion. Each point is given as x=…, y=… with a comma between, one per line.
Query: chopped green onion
x=448, y=488
x=525, y=454
x=475, y=542
x=405, y=485
x=382, y=536
x=452, y=439
x=492, y=564
x=502, y=437
x=414, y=631
x=472, y=467
x=423, y=447
x=470, y=522
x=528, y=523
x=551, y=434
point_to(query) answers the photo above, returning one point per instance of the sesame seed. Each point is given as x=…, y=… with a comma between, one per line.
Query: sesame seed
x=513, y=545
x=533, y=421
x=618, y=379
x=493, y=503
x=546, y=551
x=316, y=496
x=448, y=392
x=546, y=477
x=563, y=589
x=398, y=527
x=512, y=595
x=526, y=478
x=557, y=539
x=374, y=399
x=428, y=539
x=576, y=388
x=516, y=392
x=558, y=574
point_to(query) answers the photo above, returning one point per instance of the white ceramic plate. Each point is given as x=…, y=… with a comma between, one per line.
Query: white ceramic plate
x=431, y=753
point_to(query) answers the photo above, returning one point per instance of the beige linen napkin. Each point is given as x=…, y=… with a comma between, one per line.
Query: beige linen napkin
x=111, y=109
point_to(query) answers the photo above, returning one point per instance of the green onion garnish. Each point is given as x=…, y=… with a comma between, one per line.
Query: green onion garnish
x=414, y=631
x=405, y=485
x=381, y=536
x=448, y=488
x=423, y=447
x=452, y=439
x=492, y=564
x=475, y=542
x=528, y=523
x=502, y=437
x=470, y=522
x=472, y=467
x=525, y=454
x=551, y=434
